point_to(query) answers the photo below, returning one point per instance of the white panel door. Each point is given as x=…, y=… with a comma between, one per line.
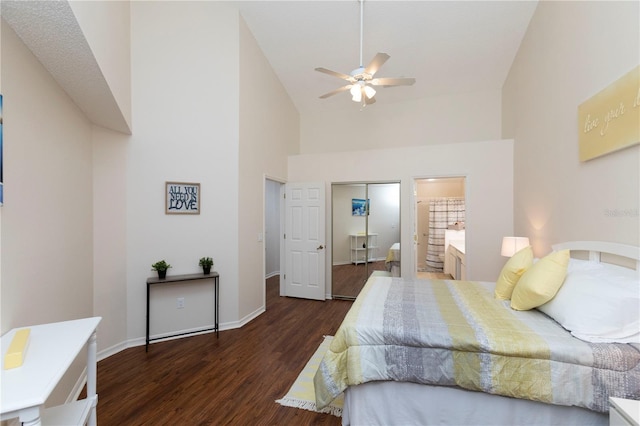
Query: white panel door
x=304, y=240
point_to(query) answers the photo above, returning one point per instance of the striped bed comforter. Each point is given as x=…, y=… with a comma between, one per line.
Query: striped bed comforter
x=454, y=333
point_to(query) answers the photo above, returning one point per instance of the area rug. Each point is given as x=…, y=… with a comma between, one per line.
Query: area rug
x=302, y=394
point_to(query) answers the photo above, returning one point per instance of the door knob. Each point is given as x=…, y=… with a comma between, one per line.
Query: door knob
x=320, y=247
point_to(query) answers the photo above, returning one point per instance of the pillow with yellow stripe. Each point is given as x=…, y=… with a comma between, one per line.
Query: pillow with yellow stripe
x=512, y=271
x=541, y=282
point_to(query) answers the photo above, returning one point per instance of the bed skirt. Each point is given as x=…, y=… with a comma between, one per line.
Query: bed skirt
x=404, y=403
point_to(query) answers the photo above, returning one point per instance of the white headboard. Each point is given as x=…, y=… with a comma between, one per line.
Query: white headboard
x=597, y=248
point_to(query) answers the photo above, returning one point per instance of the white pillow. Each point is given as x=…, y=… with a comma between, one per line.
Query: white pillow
x=576, y=265
x=598, y=303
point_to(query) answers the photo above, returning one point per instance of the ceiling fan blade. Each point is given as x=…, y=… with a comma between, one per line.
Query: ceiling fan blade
x=388, y=82
x=376, y=63
x=336, y=74
x=335, y=92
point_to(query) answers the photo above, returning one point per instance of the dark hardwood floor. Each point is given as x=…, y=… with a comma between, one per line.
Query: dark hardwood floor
x=349, y=279
x=233, y=380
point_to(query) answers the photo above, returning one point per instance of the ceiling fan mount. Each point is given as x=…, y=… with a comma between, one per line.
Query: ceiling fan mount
x=360, y=74
x=361, y=79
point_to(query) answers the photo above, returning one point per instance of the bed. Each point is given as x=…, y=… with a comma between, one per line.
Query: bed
x=450, y=352
x=392, y=262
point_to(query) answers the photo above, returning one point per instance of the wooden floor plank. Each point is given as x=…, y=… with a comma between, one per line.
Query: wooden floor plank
x=349, y=279
x=233, y=380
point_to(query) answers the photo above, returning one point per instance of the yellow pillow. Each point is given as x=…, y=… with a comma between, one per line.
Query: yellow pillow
x=512, y=271
x=541, y=282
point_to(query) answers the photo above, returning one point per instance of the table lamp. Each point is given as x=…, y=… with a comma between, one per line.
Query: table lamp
x=512, y=245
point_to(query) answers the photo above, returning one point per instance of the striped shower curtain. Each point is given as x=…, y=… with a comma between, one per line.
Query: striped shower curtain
x=442, y=213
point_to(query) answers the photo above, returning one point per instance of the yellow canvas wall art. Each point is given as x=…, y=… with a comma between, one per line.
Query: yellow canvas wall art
x=610, y=120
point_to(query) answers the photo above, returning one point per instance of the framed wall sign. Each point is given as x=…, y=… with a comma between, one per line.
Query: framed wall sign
x=182, y=198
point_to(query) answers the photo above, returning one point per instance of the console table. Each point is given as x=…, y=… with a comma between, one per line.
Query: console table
x=51, y=350
x=177, y=279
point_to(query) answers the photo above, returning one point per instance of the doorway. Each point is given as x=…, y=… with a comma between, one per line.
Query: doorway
x=440, y=222
x=365, y=220
x=272, y=234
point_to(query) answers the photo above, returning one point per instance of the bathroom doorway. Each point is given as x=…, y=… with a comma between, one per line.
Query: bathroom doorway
x=440, y=227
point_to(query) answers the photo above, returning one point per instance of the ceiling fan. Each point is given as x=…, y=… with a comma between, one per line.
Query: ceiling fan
x=361, y=79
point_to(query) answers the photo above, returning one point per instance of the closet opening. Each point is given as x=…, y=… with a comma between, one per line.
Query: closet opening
x=365, y=232
x=440, y=228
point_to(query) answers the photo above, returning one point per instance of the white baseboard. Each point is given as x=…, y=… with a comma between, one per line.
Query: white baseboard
x=106, y=353
x=141, y=341
x=253, y=315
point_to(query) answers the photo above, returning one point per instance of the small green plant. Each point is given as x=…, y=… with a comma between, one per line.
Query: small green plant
x=160, y=266
x=206, y=261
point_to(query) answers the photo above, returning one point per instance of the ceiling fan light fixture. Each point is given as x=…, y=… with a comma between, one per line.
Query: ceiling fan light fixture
x=361, y=79
x=369, y=91
x=356, y=93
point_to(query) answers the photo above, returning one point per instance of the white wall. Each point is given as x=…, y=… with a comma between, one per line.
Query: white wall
x=2, y=318
x=487, y=167
x=47, y=213
x=571, y=51
x=269, y=126
x=47, y=229
x=110, y=237
x=434, y=188
x=185, y=102
x=435, y=120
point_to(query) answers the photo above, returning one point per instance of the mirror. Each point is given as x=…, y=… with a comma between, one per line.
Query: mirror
x=365, y=234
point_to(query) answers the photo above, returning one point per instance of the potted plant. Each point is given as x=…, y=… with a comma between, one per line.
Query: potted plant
x=206, y=263
x=161, y=267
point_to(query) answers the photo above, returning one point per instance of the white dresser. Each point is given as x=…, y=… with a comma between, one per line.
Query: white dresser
x=51, y=350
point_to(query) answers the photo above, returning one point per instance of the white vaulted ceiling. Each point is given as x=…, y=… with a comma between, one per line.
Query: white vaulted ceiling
x=448, y=46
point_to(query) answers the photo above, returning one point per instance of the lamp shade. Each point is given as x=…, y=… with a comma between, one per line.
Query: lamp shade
x=512, y=245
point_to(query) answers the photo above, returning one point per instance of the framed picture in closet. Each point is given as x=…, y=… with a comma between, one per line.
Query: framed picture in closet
x=360, y=207
x=182, y=198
